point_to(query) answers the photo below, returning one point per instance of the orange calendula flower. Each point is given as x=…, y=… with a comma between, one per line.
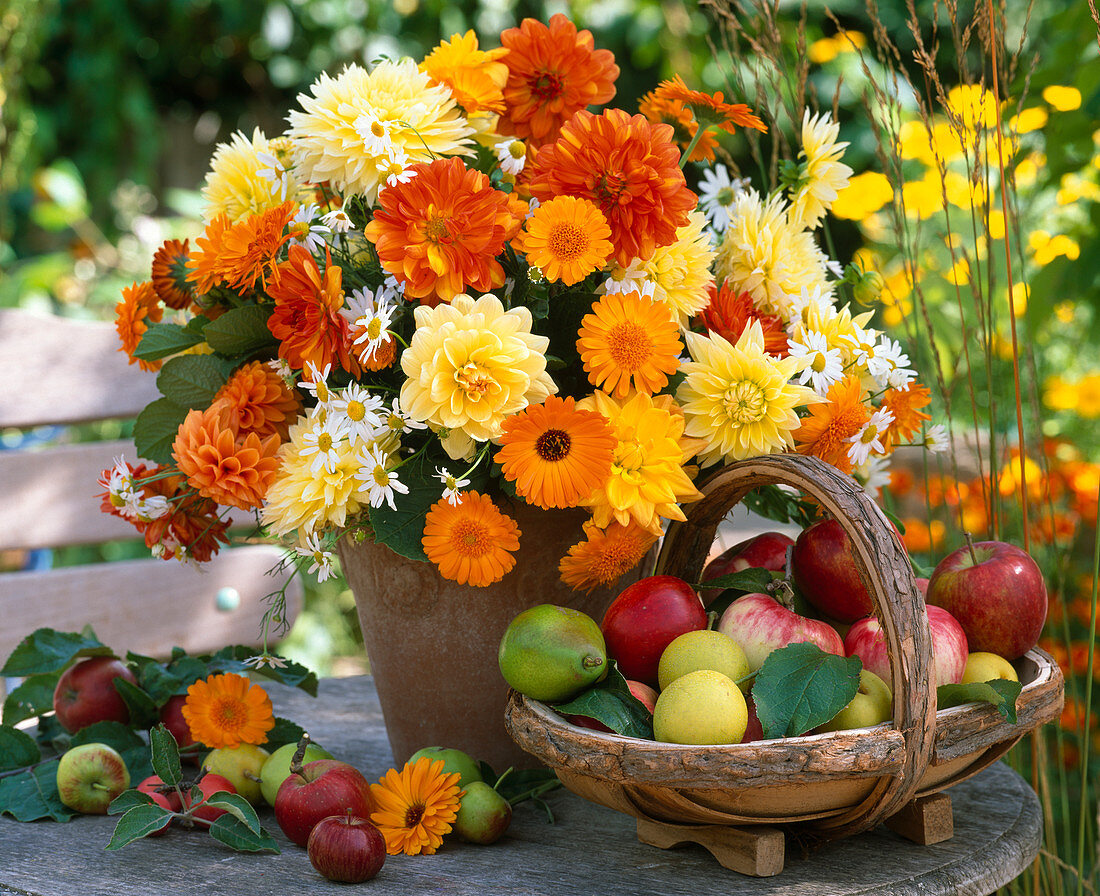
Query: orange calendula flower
x=680, y=118
x=730, y=312
x=710, y=109
x=241, y=254
x=905, y=405
x=221, y=463
x=416, y=806
x=205, y=262
x=606, y=555
x=170, y=274
x=307, y=320
x=227, y=711
x=440, y=232
x=567, y=239
x=475, y=77
x=629, y=167
x=471, y=541
x=553, y=72
x=139, y=308
x=555, y=453
x=825, y=433
x=629, y=341
x=260, y=401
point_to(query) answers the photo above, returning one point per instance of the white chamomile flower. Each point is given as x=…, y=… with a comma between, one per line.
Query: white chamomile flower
x=632, y=278
x=395, y=289
x=312, y=549
x=337, y=220
x=874, y=474
x=512, y=154
x=376, y=133
x=275, y=172
x=900, y=374
x=322, y=440
x=145, y=510
x=316, y=382
x=864, y=346
x=398, y=421
x=869, y=438
x=379, y=482
x=266, y=659
x=305, y=231
x=824, y=365
x=818, y=298
x=373, y=315
x=118, y=482
x=452, y=485
x=283, y=370
x=359, y=413
x=834, y=267
x=936, y=439
x=717, y=192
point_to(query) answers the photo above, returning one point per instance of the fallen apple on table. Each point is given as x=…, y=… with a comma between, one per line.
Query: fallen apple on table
x=208, y=785
x=242, y=766
x=317, y=790
x=276, y=768
x=90, y=776
x=346, y=848
x=86, y=694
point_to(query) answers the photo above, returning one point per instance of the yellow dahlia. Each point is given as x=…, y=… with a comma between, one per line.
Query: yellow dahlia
x=648, y=480
x=470, y=365
x=567, y=239
x=241, y=182
x=680, y=271
x=606, y=555
x=352, y=125
x=738, y=398
x=823, y=174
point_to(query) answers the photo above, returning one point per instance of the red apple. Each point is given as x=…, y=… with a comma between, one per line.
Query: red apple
x=643, y=692
x=760, y=624
x=647, y=617
x=169, y=800
x=825, y=572
x=997, y=594
x=86, y=693
x=323, y=787
x=866, y=640
x=208, y=785
x=171, y=716
x=922, y=586
x=346, y=848
x=765, y=551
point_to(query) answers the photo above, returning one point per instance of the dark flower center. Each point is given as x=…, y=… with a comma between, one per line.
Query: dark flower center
x=553, y=445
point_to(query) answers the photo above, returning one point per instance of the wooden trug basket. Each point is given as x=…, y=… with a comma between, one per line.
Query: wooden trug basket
x=732, y=798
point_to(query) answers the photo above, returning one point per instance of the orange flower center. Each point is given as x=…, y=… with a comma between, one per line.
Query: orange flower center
x=567, y=241
x=553, y=445
x=437, y=230
x=629, y=345
x=610, y=185
x=615, y=559
x=413, y=815
x=474, y=381
x=471, y=538
x=547, y=85
x=228, y=714
x=745, y=402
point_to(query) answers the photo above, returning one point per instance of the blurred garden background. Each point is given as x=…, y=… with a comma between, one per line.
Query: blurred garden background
x=973, y=213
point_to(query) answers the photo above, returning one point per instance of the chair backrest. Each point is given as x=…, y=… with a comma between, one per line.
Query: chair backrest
x=62, y=371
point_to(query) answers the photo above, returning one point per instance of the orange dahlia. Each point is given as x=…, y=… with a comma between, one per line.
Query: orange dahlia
x=710, y=109
x=416, y=806
x=606, y=554
x=243, y=253
x=555, y=453
x=627, y=341
x=729, y=312
x=139, y=307
x=222, y=464
x=679, y=117
x=471, y=541
x=629, y=167
x=170, y=274
x=307, y=320
x=440, y=232
x=553, y=72
x=260, y=401
x=567, y=239
x=825, y=433
x=227, y=711
x=905, y=405
x=475, y=77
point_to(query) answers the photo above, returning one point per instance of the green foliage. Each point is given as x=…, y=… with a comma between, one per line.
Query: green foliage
x=800, y=686
x=611, y=703
x=47, y=650
x=999, y=693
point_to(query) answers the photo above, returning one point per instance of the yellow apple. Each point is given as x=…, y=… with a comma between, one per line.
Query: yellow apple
x=872, y=704
x=984, y=666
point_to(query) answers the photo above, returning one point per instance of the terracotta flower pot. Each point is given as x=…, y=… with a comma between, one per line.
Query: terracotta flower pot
x=432, y=643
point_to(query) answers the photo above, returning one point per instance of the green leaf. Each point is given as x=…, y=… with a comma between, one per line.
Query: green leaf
x=232, y=659
x=47, y=650
x=240, y=330
x=999, y=692
x=162, y=340
x=192, y=381
x=143, y=710
x=402, y=529
x=800, y=686
x=155, y=430
x=166, y=754
x=284, y=732
x=747, y=581
x=32, y=795
x=126, y=801
x=611, y=703
x=235, y=834
x=141, y=821
x=32, y=698
x=130, y=745
x=237, y=806
x=17, y=749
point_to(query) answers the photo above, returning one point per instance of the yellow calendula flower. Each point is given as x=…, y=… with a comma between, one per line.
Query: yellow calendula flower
x=248, y=176
x=738, y=398
x=680, y=271
x=973, y=105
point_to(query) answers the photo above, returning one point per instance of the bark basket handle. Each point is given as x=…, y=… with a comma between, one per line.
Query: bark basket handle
x=883, y=566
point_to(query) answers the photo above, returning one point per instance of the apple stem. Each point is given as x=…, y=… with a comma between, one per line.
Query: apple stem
x=503, y=775
x=299, y=755
x=970, y=547
x=252, y=777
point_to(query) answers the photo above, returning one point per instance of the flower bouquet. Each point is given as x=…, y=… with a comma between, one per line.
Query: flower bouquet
x=450, y=291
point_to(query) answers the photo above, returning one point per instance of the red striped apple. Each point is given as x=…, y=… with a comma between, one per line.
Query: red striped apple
x=760, y=624
x=866, y=640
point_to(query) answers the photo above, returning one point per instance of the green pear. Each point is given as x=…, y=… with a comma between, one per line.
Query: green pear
x=552, y=653
x=277, y=767
x=453, y=761
x=484, y=815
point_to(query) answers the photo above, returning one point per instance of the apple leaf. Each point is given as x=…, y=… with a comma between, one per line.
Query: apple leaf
x=165, y=754
x=284, y=732
x=235, y=834
x=800, y=686
x=611, y=703
x=47, y=650
x=143, y=711
x=999, y=692
x=747, y=581
x=138, y=822
x=32, y=794
x=17, y=749
x=32, y=698
x=237, y=806
x=126, y=801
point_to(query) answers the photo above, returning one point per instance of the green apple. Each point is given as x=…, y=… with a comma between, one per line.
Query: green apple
x=982, y=666
x=872, y=704
x=90, y=776
x=453, y=761
x=277, y=767
x=241, y=766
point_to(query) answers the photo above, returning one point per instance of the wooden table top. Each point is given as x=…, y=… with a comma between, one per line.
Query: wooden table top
x=589, y=850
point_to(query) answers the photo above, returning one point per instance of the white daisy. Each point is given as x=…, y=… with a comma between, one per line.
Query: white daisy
x=864, y=348
x=398, y=421
x=305, y=231
x=265, y=659
x=118, y=482
x=371, y=315
x=819, y=298
x=380, y=482
x=452, y=485
x=315, y=382
x=874, y=474
x=632, y=278
x=512, y=154
x=936, y=439
x=869, y=438
x=824, y=365
x=322, y=440
x=717, y=191
x=337, y=220
x=376, y=133
x=398, y=168
x=900, y=374
x=359, y=412
x=321, y=559
x=285, y=372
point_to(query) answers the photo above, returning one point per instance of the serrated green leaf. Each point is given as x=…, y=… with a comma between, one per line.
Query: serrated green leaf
x=233, y=657
x=800, y=686
x=47, y=650
x=17, y=749
x=1001, y=693
x=165, y=754
x=32, y=698
x=138, y=822
x=237, y=806
x=235, y=834
x=162, y=340
x=126, y=801
x=240, y=330
x=31, y=795
x=192, y=381
x=611, y=703
x=155, y=430
x=284, y=732
x=161, y=682
x=143, y=711
x=747, y=581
